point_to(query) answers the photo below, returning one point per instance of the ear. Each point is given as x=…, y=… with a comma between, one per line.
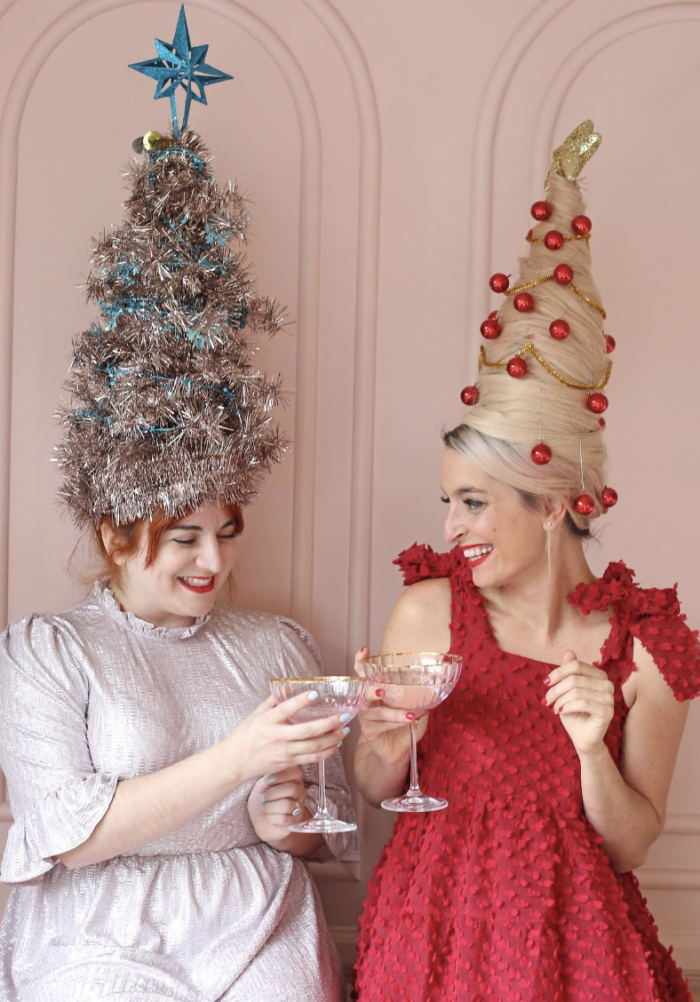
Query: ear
x=554, y=515
x=110, y=540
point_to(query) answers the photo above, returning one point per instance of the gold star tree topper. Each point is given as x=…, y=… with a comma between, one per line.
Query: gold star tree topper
x=571, y=157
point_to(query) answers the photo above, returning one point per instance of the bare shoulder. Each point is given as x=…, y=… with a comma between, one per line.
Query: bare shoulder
x=420, y=620
x=647, y=686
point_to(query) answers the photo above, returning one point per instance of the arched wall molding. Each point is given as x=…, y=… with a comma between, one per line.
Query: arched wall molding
x=483, y=154
x=5, y=7
x=309, y=265
x=364, y=380
x=575, y=62
x=556, y=91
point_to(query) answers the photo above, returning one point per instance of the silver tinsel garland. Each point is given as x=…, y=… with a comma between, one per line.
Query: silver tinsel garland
x=167, y=412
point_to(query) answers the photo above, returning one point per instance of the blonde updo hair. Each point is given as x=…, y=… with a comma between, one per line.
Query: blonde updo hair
x=499, y=432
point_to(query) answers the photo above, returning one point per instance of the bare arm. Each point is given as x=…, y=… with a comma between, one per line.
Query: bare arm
x=626, y=806
x=419, y=622
x=148, y=807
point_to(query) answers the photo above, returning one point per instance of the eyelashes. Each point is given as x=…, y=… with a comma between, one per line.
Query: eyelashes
x=189, y=542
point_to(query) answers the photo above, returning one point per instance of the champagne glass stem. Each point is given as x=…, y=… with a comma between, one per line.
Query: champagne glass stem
x=414, y=789
x=322, y=808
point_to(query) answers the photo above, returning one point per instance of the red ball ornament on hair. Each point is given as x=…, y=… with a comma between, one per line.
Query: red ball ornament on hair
x=541, y=211
x=584, y=504
x=581, y=225
x=493, y=315
x=499, y=282
x=470, y=396
x=609, y=343
x=490, y=329
x=559, y=329
x=609, y=497
x=529, y=234
x=554, y=240
x=563, y=274
x=601, y=422
x=597, y=402
x=523, y=302
x=517, y=367
x=541, y=454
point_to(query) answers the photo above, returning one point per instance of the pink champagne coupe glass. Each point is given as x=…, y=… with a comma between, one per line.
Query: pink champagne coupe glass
x=337, y=694
x=417, y=682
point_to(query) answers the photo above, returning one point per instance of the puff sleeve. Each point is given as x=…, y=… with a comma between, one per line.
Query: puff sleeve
x=57, y=797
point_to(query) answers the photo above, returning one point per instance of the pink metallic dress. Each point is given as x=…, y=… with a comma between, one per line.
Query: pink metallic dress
x=209, y=912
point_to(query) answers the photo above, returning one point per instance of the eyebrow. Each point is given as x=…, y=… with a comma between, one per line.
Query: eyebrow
x=196, y=528
x=466, y=490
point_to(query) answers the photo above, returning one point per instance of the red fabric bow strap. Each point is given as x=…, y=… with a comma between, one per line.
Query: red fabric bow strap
x=419, y=562
x=653, y=616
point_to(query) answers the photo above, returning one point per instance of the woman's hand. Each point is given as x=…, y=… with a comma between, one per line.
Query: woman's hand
x=584, y=698
x=384, y=729
x=267, y=743
x=276, y=802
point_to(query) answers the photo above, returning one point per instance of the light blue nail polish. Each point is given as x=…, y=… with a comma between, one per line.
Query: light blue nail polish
x=313, y=695
x=346, y=731
x=262, y=799
x=344, y=717
x=340, y=743
x=270, y=780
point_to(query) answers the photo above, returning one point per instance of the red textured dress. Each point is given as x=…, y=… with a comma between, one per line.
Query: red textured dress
x=508, y=894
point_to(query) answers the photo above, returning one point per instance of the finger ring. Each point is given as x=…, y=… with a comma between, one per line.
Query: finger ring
x=297, y=810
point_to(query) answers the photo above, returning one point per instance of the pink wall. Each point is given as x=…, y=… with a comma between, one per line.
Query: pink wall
x=391, y=151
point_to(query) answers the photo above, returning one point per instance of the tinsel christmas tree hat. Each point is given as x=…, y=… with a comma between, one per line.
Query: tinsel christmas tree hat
x=545, y=360
x=167, y=413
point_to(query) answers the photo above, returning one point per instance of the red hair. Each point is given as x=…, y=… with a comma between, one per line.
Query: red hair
x=129, y=536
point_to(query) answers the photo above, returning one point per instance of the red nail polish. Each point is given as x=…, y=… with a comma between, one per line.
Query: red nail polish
x=410, y=716
x=379, y=692
x=544, y=701
x=548, y=681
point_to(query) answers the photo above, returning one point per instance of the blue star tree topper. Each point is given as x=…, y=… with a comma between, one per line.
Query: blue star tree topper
x=181, y=64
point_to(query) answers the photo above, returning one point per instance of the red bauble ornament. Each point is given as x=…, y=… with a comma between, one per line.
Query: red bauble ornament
x=554, y=240
x=601, y=422
x=609, y=497
x=582, y=226
x=559, y=329
x=584, y=504
x=541, y=211
x=493, y=315
x=563, y=274
x=609, y=343
x=541, y=454
x=499, y=282
x=523, y=302
x=517, y=367
x=597, y=402
x=529, y=234
x=470, y=396
x=490, y=329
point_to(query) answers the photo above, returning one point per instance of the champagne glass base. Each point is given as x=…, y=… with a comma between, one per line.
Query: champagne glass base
x=323, y=826
x=415, y=804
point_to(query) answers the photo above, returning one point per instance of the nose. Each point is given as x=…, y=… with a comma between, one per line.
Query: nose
x=454, y=528
x=210, y=558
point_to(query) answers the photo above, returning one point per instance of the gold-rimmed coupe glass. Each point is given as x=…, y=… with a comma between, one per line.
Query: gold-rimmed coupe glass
x=337, y=694
x=417, y=682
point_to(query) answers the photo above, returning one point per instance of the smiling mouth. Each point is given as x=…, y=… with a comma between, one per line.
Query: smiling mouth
x=199, y=585
x=477, y=554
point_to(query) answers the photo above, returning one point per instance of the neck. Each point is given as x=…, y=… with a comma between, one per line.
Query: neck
x=540, y=596
x=140, y=609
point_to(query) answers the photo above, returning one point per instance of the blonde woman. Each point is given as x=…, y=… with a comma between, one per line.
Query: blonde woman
x=557, y=747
